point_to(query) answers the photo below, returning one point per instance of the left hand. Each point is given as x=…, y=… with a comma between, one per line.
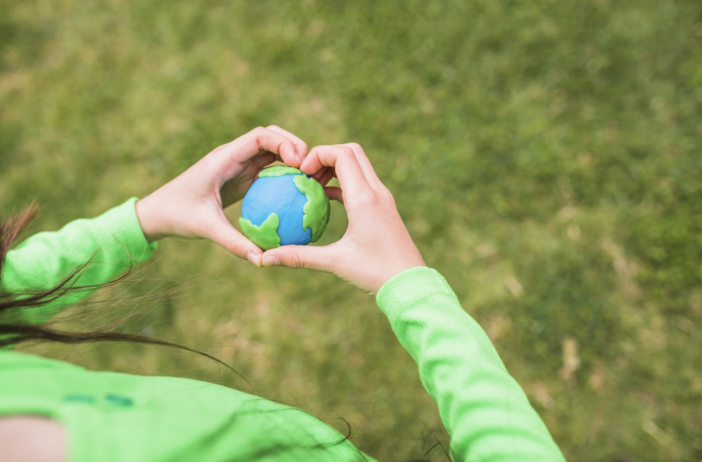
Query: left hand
x=376, y=245
x=192, y=205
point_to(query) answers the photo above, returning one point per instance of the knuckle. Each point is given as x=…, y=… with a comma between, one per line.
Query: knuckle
x=221, y=148
x=234, y=247
x=294, y=261
x=258, y=131
x=366, y=199
x=387, y=195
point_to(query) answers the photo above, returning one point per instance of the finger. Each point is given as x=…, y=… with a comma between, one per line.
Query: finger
x=365, y=163
x=334, y=193
x=229, y=157
x=326, y=177
x=343, y=160
x=323, y=176
x=300, y=146
x=258, y=162
x=276, y=158
x=263, y=159
x=223, y=233
x=299, y=256
x=264, y=139
x=318, y=175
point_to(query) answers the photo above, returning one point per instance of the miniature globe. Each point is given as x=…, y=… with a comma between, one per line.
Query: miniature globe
x=282, y=207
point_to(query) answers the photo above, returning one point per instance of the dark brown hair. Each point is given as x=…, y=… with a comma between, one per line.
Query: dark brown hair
x=15, y=330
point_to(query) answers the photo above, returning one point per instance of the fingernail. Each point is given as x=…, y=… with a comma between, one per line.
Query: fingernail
x=270, y=260
x=297, y=156
x=253, y=258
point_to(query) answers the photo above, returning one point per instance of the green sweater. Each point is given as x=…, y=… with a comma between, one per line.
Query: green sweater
x=121, y=417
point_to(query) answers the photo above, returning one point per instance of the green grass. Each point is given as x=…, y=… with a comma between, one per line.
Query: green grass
x=545, y=156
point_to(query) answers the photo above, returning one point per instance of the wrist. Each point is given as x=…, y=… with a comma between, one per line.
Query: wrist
x=148, y=219
x=396, y=271
x=404, y=289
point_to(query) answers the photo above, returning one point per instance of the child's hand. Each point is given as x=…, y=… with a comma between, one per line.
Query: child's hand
x=192, y=205
x=376, y=245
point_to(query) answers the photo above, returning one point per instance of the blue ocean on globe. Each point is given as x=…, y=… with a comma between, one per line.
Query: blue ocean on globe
x=280, y=195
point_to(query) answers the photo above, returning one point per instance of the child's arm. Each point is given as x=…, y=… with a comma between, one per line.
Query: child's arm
x=482, y=407
x=47, y=258
x=189, y=206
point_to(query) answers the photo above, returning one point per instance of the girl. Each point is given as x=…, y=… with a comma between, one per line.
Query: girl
x=54, y=411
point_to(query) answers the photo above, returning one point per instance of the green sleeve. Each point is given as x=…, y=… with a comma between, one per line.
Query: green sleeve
x=46, y=258
x=484, y=410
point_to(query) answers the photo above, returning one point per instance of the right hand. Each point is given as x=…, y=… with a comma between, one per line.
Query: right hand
x=376, y=245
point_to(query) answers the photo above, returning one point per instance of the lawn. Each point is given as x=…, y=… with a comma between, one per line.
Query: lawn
x=546, y=157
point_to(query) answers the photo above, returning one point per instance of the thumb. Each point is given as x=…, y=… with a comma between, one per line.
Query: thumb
x=299, y=256
x=223, y=233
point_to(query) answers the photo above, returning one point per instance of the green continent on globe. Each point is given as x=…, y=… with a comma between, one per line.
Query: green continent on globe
x=279, y=170
x=316, y=208
x=264, y=236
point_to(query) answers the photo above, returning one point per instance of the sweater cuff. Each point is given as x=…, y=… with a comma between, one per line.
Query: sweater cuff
x=407, y=288
x=123, y=230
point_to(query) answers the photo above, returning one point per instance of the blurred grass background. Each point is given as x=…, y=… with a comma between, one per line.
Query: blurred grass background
x=544, y=155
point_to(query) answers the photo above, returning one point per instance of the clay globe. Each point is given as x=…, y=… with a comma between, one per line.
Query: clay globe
x=283, y=207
